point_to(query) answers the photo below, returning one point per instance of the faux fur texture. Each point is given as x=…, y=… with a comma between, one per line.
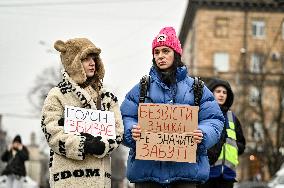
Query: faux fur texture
x=69, y=165
x=72, y=52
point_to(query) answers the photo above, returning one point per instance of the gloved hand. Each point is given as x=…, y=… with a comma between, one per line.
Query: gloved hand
x=61, y=122
x=88, y=136
x=93, y=145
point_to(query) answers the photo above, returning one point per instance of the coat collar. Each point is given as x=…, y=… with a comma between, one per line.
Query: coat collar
x=68, y=85
x=180, y=74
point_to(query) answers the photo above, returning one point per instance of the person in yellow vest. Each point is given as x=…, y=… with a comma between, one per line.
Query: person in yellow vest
x=223, y=156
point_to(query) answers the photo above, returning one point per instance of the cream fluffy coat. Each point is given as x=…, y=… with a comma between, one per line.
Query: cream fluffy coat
x=69, y=165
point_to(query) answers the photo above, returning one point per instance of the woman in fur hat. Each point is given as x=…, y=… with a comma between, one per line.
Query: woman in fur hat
x=170, y=84
x=79, y=159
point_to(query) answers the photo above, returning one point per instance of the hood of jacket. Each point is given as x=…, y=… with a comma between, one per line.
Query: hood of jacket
x=72, y=52
x=230, y=95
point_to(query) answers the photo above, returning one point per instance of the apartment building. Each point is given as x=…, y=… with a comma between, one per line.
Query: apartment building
x=242, y=41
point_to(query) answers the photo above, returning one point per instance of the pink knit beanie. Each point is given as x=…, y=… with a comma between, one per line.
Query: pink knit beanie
x=167, y=37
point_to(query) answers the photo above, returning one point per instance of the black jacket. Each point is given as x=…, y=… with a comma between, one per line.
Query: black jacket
x=15, y=165
x=214, y=152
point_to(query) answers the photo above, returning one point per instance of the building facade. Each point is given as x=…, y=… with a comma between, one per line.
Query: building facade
x=242, y=41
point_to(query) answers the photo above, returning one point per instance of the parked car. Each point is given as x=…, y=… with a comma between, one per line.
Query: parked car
x=251, y=184
x=278, y=180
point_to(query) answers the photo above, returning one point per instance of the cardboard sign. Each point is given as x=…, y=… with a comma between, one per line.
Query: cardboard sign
x=166, y=147
x=94, y=122
x=167, y=132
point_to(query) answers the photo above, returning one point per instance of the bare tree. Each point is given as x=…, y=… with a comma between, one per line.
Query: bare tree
x=264, y=108
x=49, y=78
x=46, y=80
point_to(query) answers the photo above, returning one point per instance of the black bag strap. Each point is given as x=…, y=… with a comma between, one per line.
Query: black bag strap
x=99, y=102
x=144, y=87
x=198, y=90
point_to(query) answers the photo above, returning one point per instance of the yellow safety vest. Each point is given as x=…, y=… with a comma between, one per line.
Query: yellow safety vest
x=229, y=153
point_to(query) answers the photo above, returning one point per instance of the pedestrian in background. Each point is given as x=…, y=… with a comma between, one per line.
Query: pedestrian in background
x=79, y=159
x=15, y=169
x=170, y=84
x=223, y=156
x=118, y=168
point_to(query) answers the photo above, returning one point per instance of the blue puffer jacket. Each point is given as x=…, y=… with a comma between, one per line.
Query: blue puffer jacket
x=210, y=121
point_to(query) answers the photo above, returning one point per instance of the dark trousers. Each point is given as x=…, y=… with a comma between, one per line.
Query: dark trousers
x=217, y=183
x=172, y=185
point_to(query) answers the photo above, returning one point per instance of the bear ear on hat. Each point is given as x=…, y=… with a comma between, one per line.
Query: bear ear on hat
x=60, y=46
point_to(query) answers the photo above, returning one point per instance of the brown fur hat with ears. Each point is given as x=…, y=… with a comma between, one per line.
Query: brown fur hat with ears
x=72, y=52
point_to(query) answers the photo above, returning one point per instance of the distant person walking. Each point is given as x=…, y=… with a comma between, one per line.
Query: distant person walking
x=15, y=169
x=223, y=156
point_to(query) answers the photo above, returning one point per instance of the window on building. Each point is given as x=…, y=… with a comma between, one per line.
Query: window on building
x=253, y=96
x=221, y=27
x=221, y=62
x=257, y=61
x=258, y=133
x=258, y=29
x=249, y=130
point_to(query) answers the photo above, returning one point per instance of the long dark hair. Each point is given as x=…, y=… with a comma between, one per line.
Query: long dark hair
x=169, y=76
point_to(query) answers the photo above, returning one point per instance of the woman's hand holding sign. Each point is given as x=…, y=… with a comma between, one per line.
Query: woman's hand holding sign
x=197, y=136
x=136, y=132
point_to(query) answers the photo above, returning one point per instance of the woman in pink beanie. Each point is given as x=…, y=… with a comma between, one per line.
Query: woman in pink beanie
x=170, y=84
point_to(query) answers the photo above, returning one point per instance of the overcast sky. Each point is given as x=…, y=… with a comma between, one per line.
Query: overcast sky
x=123, y=29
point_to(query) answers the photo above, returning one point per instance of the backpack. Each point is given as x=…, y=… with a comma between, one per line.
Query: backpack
x=214, y=152
x=197, y=89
